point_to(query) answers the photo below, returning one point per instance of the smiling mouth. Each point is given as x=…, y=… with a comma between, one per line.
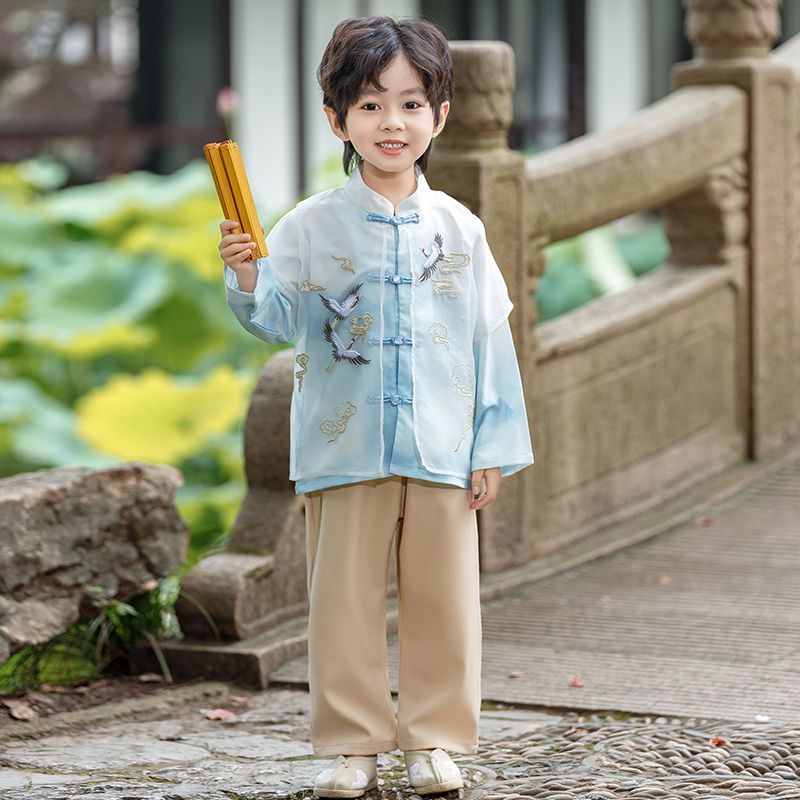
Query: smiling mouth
x=395, y=146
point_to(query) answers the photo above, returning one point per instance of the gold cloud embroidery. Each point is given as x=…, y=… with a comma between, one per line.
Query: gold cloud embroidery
x=308, y=286
x=439, y=333
x=302, y=360
x=359, y=324
x=462, y=379
x=345, y=263
x=442, y=264
x=333, y=427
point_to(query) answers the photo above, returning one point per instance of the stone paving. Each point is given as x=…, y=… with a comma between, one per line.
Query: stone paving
x=262, y=752
x=694, y=631
x=700, y=620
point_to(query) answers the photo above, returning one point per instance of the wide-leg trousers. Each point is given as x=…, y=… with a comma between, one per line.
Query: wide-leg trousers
x=350, y=531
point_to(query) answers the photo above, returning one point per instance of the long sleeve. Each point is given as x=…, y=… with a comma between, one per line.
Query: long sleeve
x=502, y=437
x=493, y=303
x=270, y=311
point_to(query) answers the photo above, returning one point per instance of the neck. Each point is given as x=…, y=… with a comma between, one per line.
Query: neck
x=394, y=186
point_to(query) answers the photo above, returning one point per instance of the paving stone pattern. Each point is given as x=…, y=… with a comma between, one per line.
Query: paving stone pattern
x=693, y=631
x=700, y=620
x=263, y=753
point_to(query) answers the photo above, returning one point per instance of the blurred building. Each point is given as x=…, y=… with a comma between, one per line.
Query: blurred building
x=115, y=85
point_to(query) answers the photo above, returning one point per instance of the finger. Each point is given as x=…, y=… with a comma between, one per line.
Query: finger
x=228, y=225
x=493, y=478
x=477, y=478
x=231, y=238
x=476, y=499
x=236, y=250
x=481, y=502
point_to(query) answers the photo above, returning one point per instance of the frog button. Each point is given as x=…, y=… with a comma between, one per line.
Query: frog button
x=395, y=399
x=395, y=279
x=397, y=340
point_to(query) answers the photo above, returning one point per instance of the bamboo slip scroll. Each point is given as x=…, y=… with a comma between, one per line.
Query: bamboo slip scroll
x=233, y=189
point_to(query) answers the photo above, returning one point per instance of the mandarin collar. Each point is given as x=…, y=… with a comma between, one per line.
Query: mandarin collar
x=370, y=200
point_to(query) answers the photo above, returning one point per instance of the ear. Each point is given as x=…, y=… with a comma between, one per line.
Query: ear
x=333, y=121
x=444, y=109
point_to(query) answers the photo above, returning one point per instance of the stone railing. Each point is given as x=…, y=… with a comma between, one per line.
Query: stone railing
x=637, y=395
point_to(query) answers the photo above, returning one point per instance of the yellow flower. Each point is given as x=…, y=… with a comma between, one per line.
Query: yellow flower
x=117, y=338
x=196, y=246
x=158, y=418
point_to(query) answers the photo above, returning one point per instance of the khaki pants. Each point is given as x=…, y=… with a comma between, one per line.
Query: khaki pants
x=349, y=534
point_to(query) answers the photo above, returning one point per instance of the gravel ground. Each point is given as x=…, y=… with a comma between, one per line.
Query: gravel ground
x=261, y=750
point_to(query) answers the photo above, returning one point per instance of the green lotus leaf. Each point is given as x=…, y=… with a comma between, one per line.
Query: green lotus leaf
x=22, y=232
x=86, y=288
x=645, y=247
x=566, y=283
x=40, y=431
x=107, y=206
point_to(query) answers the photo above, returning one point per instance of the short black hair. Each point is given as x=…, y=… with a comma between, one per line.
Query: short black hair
x=361, y=48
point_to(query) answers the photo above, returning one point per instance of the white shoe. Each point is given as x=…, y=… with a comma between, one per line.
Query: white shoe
x=432, y=771
x=347, y=776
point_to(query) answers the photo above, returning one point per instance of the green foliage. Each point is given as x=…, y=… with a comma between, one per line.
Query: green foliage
x=116, y=342
x=606, y=259
x=86, y=649
x=121, y=279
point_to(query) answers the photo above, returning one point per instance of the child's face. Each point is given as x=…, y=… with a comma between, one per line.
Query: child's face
x=395, y=114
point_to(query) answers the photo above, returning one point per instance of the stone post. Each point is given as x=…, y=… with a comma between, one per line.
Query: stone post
x=732, y=39
x=472, y=162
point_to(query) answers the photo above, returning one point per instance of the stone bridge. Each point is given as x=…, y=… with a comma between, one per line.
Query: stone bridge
x=641, y=400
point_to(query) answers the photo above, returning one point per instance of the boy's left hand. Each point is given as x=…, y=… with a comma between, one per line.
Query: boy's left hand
x=492, y=477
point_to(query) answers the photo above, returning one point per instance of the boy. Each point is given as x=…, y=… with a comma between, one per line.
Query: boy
x=408, y=391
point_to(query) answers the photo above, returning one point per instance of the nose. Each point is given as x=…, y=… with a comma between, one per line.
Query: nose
x=392, y=120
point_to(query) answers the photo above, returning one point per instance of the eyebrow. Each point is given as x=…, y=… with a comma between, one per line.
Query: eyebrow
x=414, y=90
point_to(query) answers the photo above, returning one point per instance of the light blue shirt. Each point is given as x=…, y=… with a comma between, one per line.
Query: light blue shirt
x=405, y=359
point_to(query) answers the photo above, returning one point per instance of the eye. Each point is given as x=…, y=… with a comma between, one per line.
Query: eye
x=415, y=103
x=368, y=104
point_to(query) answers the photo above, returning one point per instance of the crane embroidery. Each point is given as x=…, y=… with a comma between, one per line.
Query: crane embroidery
x=442, y=263
x=344, y=307
x=340, y=350
x=432, y=261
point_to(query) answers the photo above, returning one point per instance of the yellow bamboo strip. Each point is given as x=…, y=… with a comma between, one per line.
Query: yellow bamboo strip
x=233, y=190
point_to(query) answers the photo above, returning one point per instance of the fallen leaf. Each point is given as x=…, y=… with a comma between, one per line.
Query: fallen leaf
x=515, y=674
x=49, y=687
x=718, y=740
x=576, y=681
x=20, y=709
x=217, y=713
x=704, y=520
x=150, y=677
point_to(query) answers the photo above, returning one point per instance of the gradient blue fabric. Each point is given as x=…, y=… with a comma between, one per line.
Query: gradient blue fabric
x=405, y=361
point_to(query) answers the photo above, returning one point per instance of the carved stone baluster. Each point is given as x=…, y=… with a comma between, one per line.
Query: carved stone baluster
x=472, y=162
x=732, y=39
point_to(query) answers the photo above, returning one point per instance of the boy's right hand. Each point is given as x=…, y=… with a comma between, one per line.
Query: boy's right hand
x=235, y=248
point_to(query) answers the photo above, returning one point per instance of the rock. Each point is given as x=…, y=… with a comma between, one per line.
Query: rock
x=64, y=529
